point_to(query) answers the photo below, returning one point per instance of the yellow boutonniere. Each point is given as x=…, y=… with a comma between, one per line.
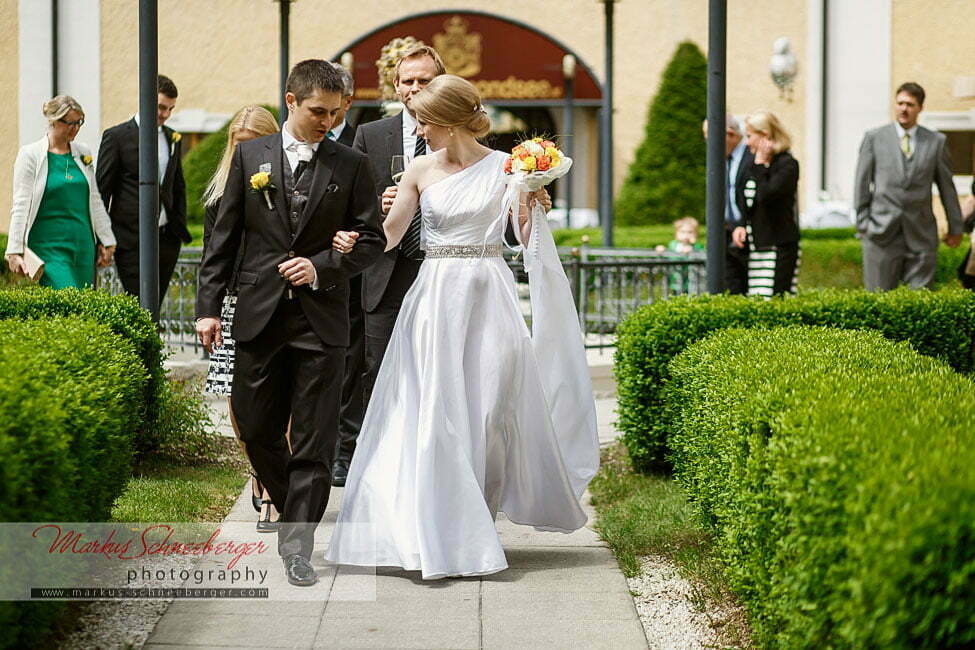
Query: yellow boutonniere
x=261, y=182
x=86, y=159
x=177, y=136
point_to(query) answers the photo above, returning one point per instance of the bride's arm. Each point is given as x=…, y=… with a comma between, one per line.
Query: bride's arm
x=403, y=209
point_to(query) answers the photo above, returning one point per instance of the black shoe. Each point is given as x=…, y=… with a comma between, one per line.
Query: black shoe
x=264, y=524
x=340, y=472
x=299, y=571
x=256, y=490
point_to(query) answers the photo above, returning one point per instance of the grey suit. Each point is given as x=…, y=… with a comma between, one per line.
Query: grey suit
x=894, y=214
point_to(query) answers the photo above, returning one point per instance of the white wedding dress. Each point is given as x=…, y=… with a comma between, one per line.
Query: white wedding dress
x=471, y=413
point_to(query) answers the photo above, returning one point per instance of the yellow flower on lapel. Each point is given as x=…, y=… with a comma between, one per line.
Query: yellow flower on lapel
x=86, y=159
x=260, y=181
x=177, y=136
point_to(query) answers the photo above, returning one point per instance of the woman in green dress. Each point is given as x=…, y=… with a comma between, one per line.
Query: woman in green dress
x=57, y=211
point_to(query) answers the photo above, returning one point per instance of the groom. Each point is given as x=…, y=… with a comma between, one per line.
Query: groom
x=291, y=326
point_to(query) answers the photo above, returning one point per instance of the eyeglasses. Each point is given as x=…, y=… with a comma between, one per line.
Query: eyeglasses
x=77, y=123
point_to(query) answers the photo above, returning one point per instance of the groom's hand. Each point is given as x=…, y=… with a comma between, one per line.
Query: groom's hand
x=298, y=271
x=208, y=329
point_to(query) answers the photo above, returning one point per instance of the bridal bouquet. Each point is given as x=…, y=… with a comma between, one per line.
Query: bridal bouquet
x=535, y=163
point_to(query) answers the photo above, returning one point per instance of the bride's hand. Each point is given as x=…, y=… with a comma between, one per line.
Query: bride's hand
x=344, y=241
x=540, y=197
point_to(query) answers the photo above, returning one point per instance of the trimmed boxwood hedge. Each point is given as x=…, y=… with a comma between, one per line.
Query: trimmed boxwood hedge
x=71, y=400
x=837, y=469
x=938, y=324
x=123, y=316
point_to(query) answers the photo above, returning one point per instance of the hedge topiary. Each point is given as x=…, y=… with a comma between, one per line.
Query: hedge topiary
x=200, y=164
x=938, y=324
x=837, y=469
x=123, y=316
x=71, y=396
x=666, y=180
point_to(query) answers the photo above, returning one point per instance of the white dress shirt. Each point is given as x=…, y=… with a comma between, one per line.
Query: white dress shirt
x=290, y=144
x=409, y=138
x=163, y=163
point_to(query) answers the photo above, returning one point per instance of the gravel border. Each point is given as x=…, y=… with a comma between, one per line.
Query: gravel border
x=671, y=620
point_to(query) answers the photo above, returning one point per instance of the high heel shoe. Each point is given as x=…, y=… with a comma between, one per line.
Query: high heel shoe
x=264, y=524
x=256, y=491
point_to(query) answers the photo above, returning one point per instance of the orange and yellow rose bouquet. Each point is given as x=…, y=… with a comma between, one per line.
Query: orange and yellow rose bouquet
x=535, y=163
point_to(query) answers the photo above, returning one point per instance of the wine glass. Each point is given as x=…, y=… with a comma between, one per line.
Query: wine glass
x=397, y=167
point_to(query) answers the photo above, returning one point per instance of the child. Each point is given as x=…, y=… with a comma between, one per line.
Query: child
x=684, y=243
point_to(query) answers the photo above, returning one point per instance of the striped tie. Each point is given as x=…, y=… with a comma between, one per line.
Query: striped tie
x=410, y=245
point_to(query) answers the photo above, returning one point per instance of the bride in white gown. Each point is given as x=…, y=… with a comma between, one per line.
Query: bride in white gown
x=471, y=413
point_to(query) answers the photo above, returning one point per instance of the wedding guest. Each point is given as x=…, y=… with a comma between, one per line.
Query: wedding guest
x=118, y=182
x=684, y=243
x=57, y=212
x=739, y=158
x=249, y=123
x=770, y=223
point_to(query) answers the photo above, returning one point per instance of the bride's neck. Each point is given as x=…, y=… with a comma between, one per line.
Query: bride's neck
x=464, y=151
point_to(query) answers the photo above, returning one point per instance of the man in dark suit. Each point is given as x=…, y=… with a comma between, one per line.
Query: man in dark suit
x=287, y=195
x=353, y=407
x=386, y=282
x=739, y=158
x=118, y=181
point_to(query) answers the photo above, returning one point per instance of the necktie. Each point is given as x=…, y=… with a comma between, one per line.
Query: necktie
x=410, y=245
x=305, y=154
x=906, y=145
x=330, y=135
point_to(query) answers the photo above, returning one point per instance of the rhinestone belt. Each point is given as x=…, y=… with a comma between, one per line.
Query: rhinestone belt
x=464, y=250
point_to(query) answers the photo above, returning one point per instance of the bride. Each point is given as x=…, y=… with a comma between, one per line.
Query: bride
x=471, y=414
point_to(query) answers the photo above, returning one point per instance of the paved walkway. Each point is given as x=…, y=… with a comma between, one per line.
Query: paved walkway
x=560, y=591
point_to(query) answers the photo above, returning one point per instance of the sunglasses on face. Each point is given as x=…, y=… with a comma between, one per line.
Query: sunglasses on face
x=75, y=123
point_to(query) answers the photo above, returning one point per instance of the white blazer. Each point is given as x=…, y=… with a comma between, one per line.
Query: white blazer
x=30, y=180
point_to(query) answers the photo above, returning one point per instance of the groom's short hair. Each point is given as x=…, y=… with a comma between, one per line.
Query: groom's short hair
x=312, y=75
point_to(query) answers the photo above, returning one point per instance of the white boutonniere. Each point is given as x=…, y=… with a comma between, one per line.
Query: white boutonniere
x=261, y=182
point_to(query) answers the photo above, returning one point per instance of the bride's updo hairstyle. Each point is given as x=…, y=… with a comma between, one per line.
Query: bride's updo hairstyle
x=448, y=101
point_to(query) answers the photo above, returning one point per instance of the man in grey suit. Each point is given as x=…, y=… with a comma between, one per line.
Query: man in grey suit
x=892, y=197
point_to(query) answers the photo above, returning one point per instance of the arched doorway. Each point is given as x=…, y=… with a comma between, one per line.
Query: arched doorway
x=523, y=87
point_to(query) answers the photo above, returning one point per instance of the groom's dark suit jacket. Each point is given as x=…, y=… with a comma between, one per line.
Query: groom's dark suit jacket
x=380, y=141
x=342, y=197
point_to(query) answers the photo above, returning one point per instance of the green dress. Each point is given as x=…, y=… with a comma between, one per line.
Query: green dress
x=61, y=234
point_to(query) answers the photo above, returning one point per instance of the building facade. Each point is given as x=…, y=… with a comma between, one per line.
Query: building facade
x=223, y=54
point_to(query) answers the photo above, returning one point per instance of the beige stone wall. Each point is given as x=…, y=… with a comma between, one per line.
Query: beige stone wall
x=8, y=118
x=223, y=53
x=944, y=28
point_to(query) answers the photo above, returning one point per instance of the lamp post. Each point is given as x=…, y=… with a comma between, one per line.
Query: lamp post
x=717, y=174
x=569, y=73
x=606, y=133
x=285, y=6
x=149, y=157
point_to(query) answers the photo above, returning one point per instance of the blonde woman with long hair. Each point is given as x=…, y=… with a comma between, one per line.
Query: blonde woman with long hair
x=771, y=221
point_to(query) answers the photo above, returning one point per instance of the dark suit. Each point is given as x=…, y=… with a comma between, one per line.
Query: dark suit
x=386, y=282
x=736, y=259
x=353, y=405
x=769, y=196
x=118, y=183
x=290, y=342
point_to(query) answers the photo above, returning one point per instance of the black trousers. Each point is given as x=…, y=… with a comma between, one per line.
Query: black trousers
x=286, y=372
x=735, y=267
x=380, y=321
x=127, y=263
x=353, y=403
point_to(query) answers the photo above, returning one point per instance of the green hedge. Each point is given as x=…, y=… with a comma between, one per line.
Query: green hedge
x=71, y=399
x=123, y=316
x=838, y=472
x=938, y=324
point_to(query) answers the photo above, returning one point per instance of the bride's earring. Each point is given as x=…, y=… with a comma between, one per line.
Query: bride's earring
x=450, y=132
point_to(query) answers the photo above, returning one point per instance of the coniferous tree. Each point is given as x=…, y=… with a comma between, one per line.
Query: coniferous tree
x=666, y=180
